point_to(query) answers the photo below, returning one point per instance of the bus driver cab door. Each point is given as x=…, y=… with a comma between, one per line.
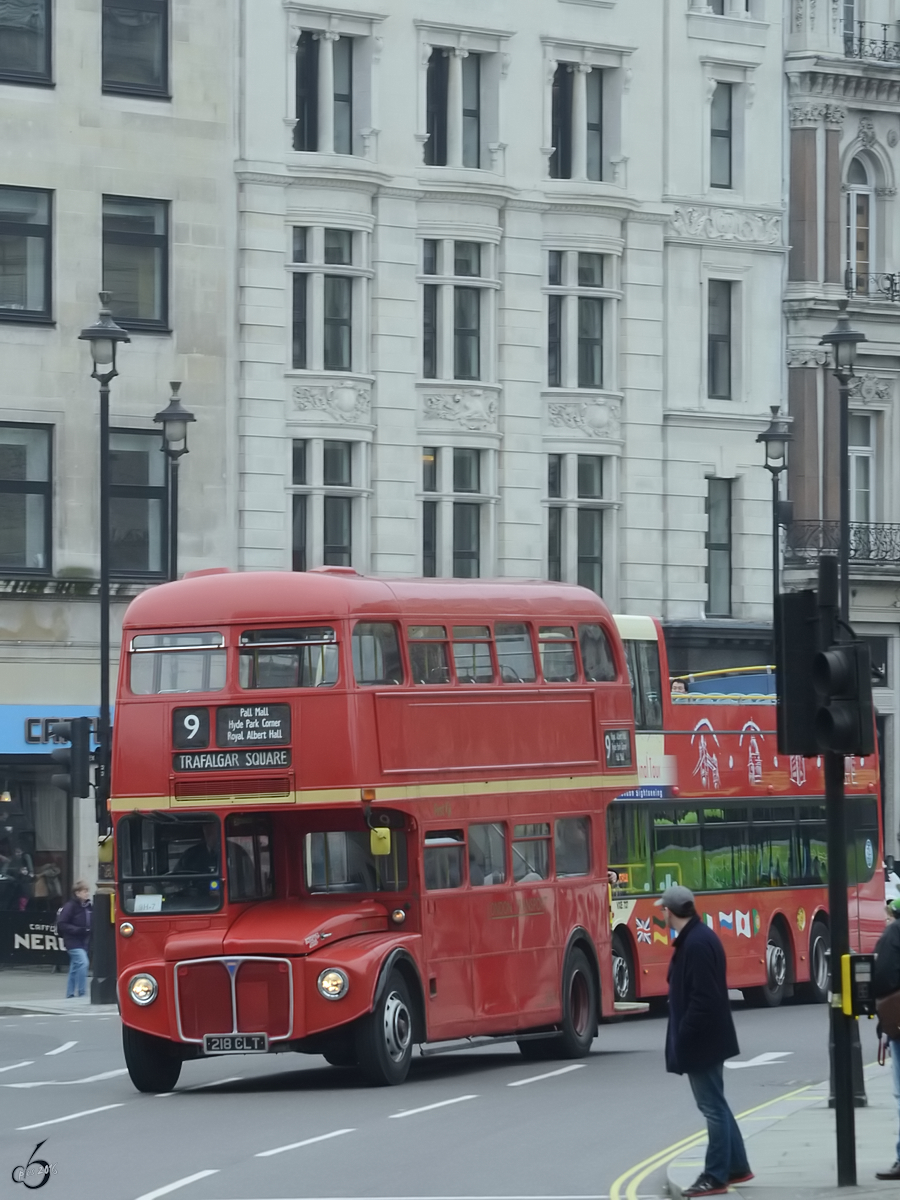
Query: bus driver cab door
x=446, y=928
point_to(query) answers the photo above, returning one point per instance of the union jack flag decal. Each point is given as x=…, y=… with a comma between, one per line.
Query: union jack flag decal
x=643, y=930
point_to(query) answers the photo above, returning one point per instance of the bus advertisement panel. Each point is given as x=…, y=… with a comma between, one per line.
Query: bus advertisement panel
x=352, y=815
x=719, y=810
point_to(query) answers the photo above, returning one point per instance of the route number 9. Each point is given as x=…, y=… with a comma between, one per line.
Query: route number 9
x=190, y=728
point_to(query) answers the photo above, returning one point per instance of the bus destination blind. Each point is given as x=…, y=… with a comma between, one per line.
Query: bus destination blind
x=231, y=760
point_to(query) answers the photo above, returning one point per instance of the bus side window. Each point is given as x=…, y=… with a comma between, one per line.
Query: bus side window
x=596, y=654
x=487, y=855
x=651, y=685
x=376, y=654
x=677, y=849
x=557, y=648
x=531, y=852
x=428, y=657
x=472, y=654
x=572, y=846
x=628, y=845
x=445, y=851
x=631, y=662
x=514, y=653
x=248, y=845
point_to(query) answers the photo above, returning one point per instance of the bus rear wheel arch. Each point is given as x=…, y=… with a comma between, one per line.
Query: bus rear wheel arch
x=623, y=967
x=779, y=971
x=153, y=1063
x=578, y=1026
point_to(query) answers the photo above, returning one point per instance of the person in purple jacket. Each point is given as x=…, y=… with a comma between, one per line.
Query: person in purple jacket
x=74, y=923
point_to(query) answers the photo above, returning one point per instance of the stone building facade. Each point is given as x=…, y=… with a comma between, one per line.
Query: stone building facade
x=843, y=82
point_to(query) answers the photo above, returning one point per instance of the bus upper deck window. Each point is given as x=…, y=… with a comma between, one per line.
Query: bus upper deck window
x=177, y=662
x=531, y=852
x=651, y=683
x=472, y=654
x=428, y=657
x=557, y=647
x=376, y=654
x=445, y=852
x=596, y=654
x=514, y=654
x=289, y=658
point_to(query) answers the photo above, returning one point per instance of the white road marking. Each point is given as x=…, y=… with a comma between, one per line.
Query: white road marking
x=195, y=1087
x=548, y=1075
x=323, y=1137
x=61, y=1049
x=411, y=1112
x=179, y=1183
x=15, y=1066
x=88, y=1112
x=69, y=1082
x=761, y=1060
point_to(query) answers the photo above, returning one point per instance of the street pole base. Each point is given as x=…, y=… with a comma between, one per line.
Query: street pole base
x=860, y=1099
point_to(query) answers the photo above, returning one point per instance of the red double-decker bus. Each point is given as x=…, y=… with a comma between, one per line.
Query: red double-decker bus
x=719, y=810
x=353, y=815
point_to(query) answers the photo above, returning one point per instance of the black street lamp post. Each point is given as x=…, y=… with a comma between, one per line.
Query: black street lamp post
x=775, y=439
x=104, y=337
x=174, y=419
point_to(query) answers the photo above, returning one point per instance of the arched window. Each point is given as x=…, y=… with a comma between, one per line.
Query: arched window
x=860, y=212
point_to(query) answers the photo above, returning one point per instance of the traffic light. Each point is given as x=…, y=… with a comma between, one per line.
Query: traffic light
x=75, y=759
x=796, y=647
x=842, y=676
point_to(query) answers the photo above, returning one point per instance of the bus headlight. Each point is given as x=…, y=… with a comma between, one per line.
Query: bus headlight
x=333, y=983
x=143, y=989
x=126, y=929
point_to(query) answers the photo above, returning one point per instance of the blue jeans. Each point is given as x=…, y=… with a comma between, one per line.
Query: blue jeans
x=726, y=1157
x=76, y=985
x=895, y=1069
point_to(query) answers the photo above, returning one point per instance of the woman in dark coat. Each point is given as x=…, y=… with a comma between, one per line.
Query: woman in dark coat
x=74, y=923
x=885, y=980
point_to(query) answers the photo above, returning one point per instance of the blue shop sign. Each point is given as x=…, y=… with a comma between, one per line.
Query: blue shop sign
x=25, y=728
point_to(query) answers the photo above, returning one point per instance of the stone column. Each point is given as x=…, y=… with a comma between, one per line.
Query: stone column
x=803, y=458
x=454, y=108
x=834, y=122
x=579, y=121
x=804, y=236
x=326, y=92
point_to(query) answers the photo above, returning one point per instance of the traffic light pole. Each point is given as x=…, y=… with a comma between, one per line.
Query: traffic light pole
x=835, y=808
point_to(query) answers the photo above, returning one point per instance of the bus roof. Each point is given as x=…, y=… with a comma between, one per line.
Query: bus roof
x=636, y=629
x=228, y=597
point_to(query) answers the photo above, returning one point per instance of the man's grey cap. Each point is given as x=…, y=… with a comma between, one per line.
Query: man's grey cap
x=676, y=899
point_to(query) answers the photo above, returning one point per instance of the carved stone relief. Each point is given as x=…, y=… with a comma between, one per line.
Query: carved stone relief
x=349, y=402
x=867, y=132
x=590, y=418
x=469, y=408
x=869, y=388
x=812, y=356
x=728, y=225
x=808, y=114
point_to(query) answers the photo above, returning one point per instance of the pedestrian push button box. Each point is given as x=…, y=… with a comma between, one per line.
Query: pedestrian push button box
x=857, y=994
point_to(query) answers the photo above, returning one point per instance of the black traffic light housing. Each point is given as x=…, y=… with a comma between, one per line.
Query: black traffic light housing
x=75, y=779
x=845, y=720
x=796, y=647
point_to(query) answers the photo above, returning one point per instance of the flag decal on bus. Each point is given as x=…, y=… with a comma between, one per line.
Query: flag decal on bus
x=660, y=924
x=726, y=921
x=743, y=924
x=643, y=930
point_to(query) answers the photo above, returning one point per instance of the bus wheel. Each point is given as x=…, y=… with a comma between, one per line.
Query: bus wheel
x=624, y=983
x=579, y=1023
x=774, y=990
x=384, y=1036
x=153, y=1063
x=816, y=990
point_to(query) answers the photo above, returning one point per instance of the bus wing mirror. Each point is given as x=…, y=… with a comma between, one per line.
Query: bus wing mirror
x=380, y=842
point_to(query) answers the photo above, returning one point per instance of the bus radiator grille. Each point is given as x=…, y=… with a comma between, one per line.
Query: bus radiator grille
x=261, y=1001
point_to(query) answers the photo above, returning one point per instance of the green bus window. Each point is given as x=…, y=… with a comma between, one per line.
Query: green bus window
x=628, y=846
x=863, y=840
x=726, y=848
x=771, y=843
x=677, y=849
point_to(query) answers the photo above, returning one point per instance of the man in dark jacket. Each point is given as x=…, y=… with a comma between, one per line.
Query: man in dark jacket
x=74, y=923
x=885, y=981
x=701, y=1036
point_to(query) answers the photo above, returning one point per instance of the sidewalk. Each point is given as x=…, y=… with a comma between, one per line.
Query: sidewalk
x=791, y=1147
x=41, y=990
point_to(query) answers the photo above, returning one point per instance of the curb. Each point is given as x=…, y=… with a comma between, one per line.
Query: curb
x=60, y=1008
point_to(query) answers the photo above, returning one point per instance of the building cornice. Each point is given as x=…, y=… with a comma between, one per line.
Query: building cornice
x=706, y=419
x=835, y=81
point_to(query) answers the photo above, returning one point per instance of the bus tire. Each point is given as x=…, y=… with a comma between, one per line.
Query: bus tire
x=778, y=973
x=153, y=1063
x=816, y=991
x=579, y=1010
x=341, y=1054
x=539, y=1049
x=384, y=1037
x=624, y=979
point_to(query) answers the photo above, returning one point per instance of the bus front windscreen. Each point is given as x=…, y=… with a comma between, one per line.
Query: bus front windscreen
x=170, y=864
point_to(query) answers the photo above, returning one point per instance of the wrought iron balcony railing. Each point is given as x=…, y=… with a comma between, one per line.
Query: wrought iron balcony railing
x=883, y=285
x=870, y=40
x=870, y=544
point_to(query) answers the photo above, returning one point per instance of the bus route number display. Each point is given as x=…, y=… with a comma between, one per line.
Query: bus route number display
x=253, y=725
x=617, y=743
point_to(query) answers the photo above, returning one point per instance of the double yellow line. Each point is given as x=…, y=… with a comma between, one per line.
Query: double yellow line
x=628, y=1183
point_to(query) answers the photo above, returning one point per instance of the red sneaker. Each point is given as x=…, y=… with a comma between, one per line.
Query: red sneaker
x=745, y=1178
